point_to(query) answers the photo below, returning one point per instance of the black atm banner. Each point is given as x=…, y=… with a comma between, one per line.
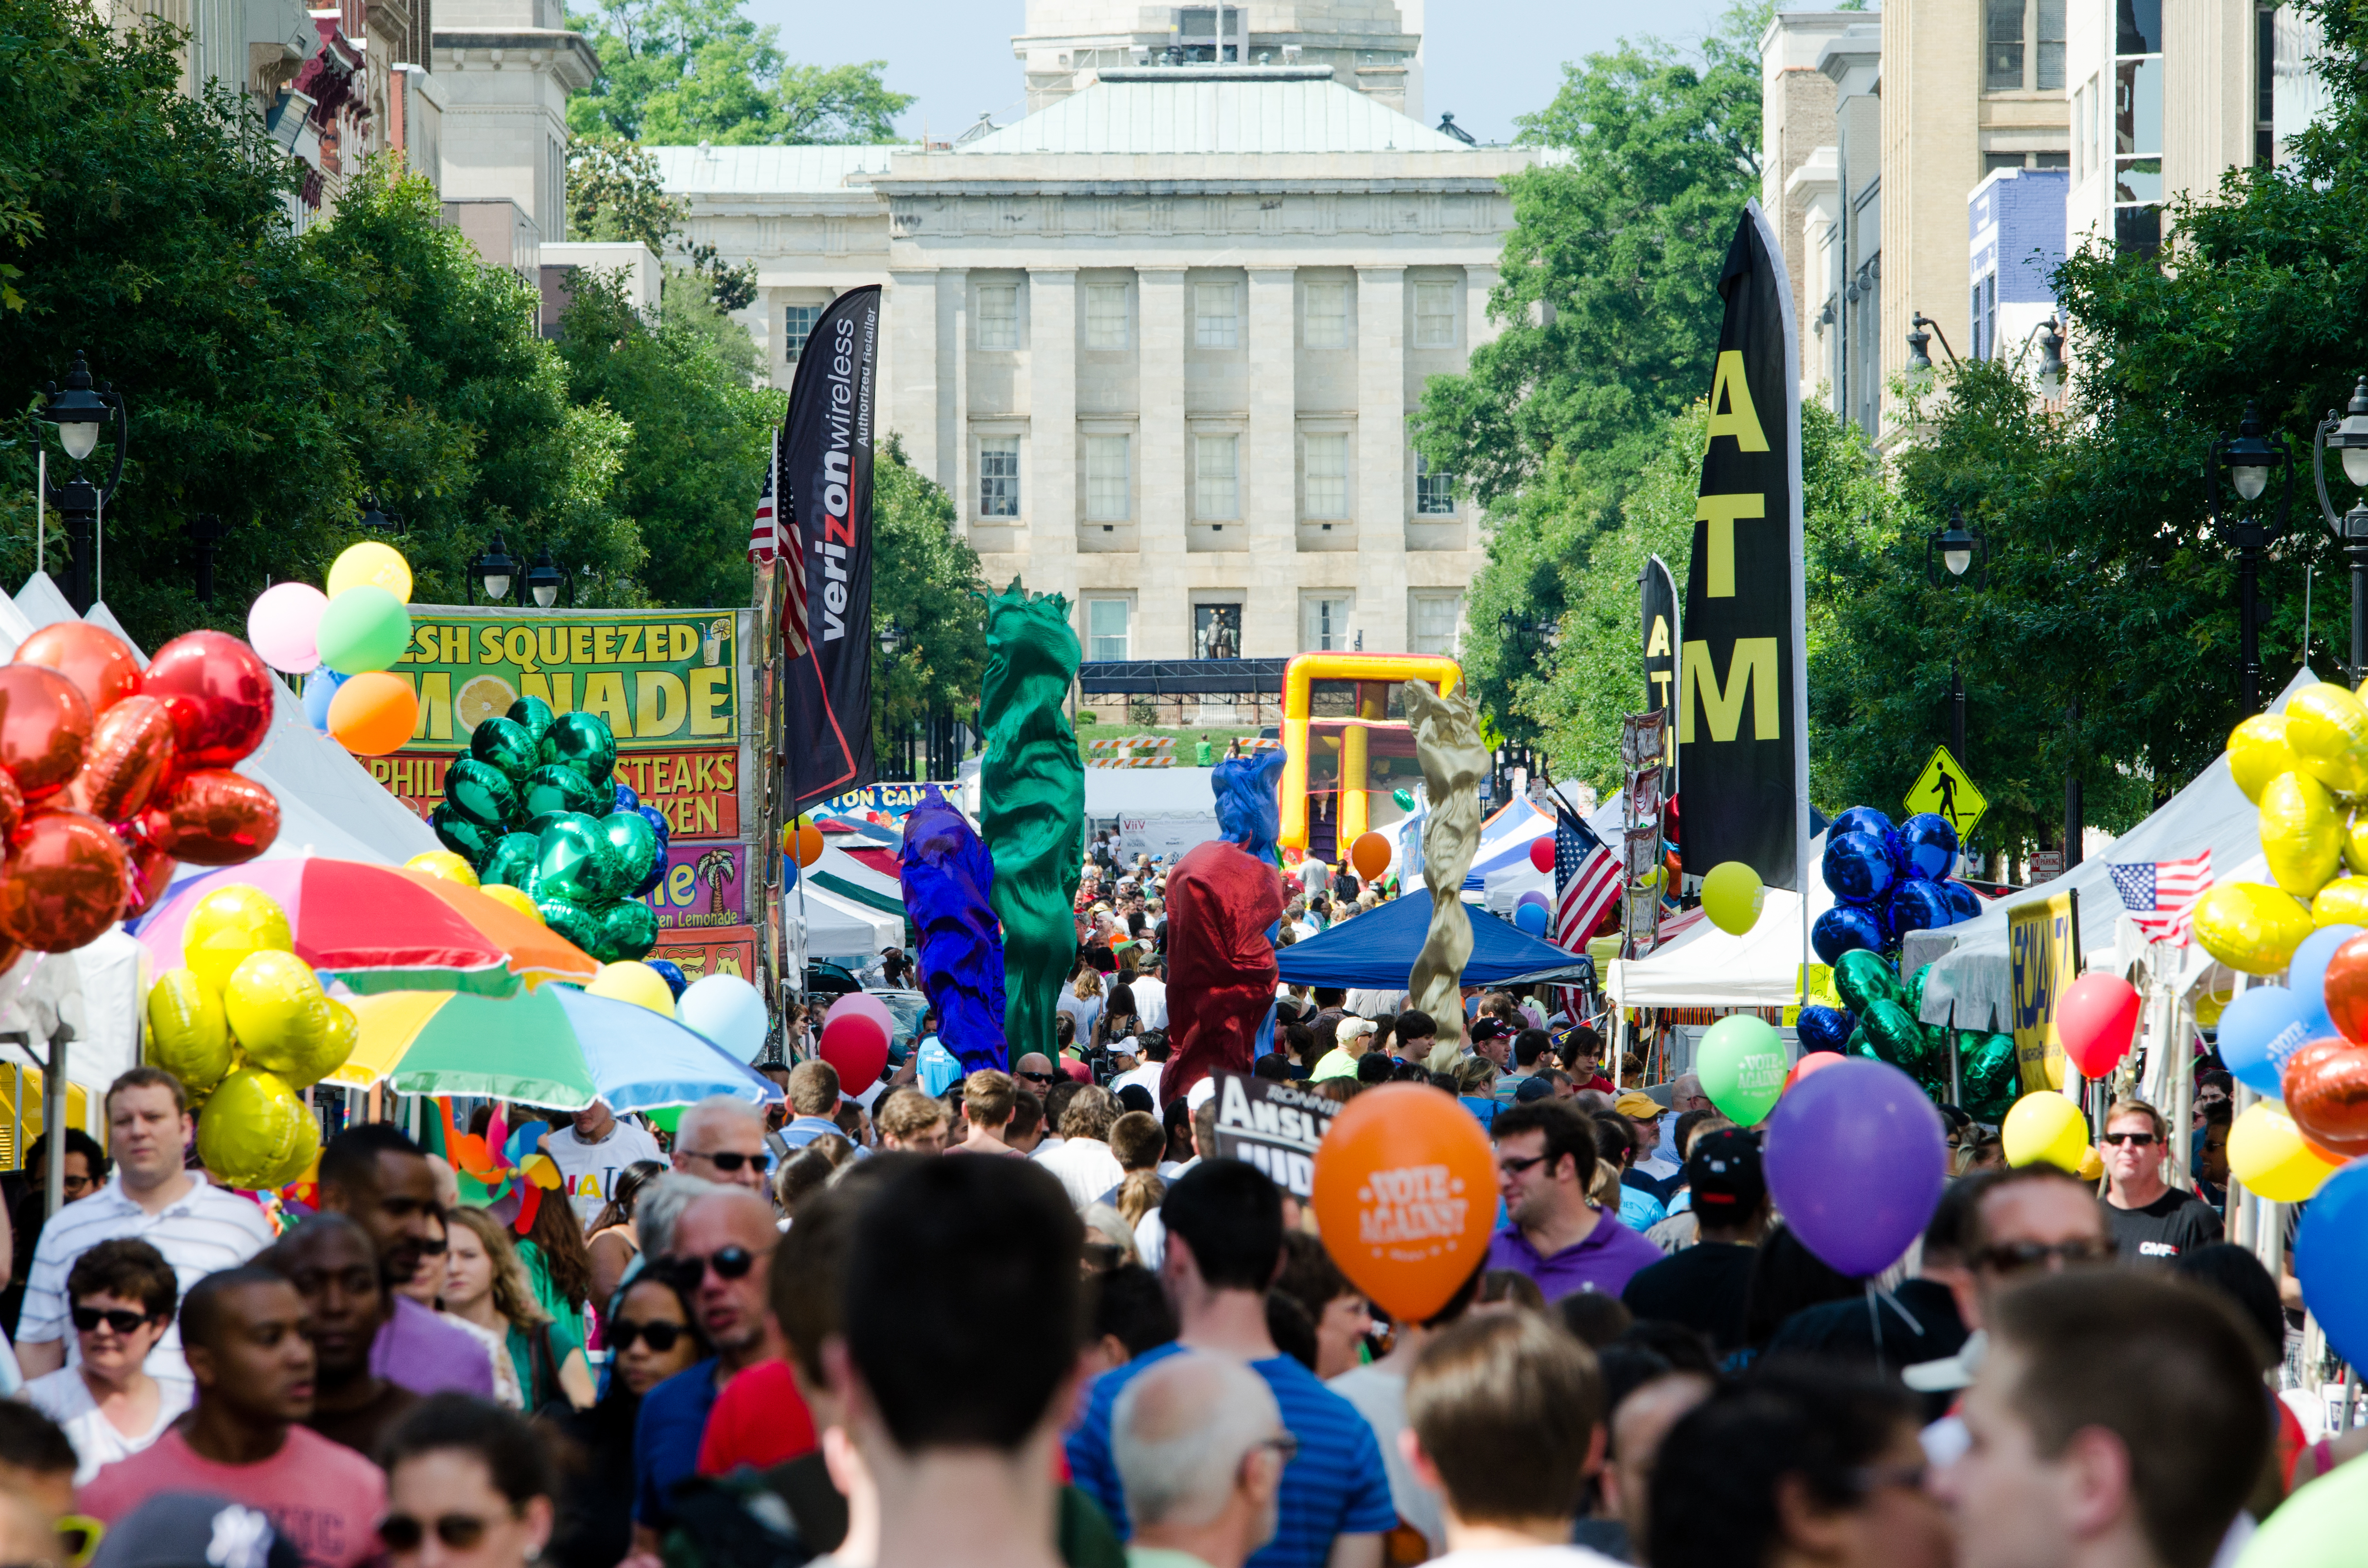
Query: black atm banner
x=1743, y=740
x=825, y=496
x=1660, y=594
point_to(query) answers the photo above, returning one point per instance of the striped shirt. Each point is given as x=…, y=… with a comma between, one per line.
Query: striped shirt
x=206, y=1230
x=1335, y=1485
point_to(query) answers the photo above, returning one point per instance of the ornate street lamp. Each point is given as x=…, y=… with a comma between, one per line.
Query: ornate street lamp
x=543, y=580
x=2249, y=457
x=2347, y=433
x=496, y=569
x=80, y=411
x=1949, y=554
x=1919, y=343
x=375, y=522
x=207, y=530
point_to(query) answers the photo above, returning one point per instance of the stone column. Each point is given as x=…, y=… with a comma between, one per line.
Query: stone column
x=1270, y=467
x=1048, y=494
x=909, y=305
x=1163, y=598
x=952, y=465
x=1384, y=492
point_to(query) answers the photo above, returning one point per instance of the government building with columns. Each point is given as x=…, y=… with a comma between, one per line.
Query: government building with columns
x=1160, y=338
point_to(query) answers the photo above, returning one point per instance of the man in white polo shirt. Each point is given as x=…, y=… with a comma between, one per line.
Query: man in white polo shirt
x=200, y=1228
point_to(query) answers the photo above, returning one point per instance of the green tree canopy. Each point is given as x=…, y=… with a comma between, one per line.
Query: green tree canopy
x=675, y=72
x=925, y=582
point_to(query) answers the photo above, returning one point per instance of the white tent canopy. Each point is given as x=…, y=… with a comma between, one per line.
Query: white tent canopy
x=841, y=928
x=1705, y=967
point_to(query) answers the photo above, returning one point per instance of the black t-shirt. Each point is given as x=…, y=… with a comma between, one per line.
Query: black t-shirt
x=2173, y=1225
x=1704, y=1287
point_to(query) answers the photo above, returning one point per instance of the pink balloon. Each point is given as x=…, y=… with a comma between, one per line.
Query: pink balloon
x=1541, y=852
x=283, y=625
x=2098, y=1017
x=855, y=1036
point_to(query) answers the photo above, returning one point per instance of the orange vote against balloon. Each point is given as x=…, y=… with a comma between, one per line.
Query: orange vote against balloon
x=1405, y=1196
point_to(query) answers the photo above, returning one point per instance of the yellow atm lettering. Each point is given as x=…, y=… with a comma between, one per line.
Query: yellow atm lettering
x=1722, y=513
x=1754, y=667
x=1730, y=390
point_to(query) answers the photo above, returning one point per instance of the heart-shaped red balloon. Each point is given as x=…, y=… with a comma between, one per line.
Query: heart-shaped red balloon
x=101, y=665
x=44, y=725
x=150, y=868
x=66, y=882
x=219, y=693
x=130, y=748
x=213, y=817
x=2325, y=1086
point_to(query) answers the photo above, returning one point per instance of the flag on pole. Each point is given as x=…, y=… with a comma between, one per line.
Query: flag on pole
x=1587, y=879
x=2160, y=894
x=765, y=537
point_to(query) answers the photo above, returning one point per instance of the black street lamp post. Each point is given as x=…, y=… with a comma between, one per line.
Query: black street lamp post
x=2249, y=456
x=80, y=411
x=2347, y=433
x=206, y=529
x=495, y=570
x=1949, y=555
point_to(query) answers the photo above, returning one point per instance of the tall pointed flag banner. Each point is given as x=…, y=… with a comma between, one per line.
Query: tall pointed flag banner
x=1743, y=691
x=824, y=499
x=1661, y=596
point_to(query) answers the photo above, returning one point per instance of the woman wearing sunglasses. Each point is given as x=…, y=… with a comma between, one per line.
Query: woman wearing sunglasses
x=123, y=1294
x=653, y=1335
x=468, y=1486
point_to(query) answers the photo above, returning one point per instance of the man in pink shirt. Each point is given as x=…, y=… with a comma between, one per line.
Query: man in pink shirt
x=244, y=1332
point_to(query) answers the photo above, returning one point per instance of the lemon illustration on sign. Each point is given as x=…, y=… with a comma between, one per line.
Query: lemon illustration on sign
x=486, y=697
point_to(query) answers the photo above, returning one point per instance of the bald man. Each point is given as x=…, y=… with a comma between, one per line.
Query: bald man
x=1200, y=1446
x=723, y=1140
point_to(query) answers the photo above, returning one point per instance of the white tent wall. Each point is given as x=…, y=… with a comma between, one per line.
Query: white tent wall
x=836, y=928
x=1705, y=967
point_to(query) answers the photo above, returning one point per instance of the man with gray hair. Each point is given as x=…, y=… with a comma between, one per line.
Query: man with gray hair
x=723, y=1140
x=1199, y=1446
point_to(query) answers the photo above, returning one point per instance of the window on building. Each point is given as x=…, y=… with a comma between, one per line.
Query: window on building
x=1434, y=315
x=2051, y=160
x=1215, y=323
x=998, y=477
x=1217, y=632
x=1106, y=629
x=1985, y=317
x=2048, y=77
x=2002, y=46
x=1323, y=625
x=1328, y=315
x=1216, y=478
x=797, y=326
x=1105, y=316
x=1434, y=490
x=2138, y=126
x=1328, y=476
x=998, y=316
x=1107, y=493
x=2023, y=45
x=1431, y=623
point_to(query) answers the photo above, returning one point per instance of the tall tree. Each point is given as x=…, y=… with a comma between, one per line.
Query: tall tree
x=675, y=72
x=925, y=582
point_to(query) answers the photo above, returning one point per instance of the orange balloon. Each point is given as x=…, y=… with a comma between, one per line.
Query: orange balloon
x=373, y=715
x=805, y=842
x=1371, y=856
x=1812, y=1062
x=1405, y=1196
x=100, y=664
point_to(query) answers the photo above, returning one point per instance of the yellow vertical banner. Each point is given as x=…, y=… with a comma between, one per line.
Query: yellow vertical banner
x=2043, y=946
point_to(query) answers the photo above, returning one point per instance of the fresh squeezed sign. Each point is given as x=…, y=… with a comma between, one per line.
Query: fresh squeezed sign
x=662, y=678
x=2043, y=953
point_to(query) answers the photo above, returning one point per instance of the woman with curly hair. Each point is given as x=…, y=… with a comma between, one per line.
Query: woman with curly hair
x=487, y=1288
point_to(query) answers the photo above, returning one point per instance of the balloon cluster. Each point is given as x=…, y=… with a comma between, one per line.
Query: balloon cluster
x=344, y=641
x=520, y=809
x=245, y=1025
x=109, y=774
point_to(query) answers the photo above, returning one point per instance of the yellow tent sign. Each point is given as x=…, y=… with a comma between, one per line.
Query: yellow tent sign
x=1945, y=790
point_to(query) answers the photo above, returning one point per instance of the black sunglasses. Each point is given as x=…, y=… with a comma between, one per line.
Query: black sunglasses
x=1037, y=1077
x=2140, y=1139
x=401, y=1532
x=2015, y=1257
x=87, y=1319
x=729, y=1161
x=661, y=1337
x=728, y=1263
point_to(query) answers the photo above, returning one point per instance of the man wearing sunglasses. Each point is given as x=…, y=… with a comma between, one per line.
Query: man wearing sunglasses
x=2152, y=1221
x=2031, y=1221
x=724, y=1140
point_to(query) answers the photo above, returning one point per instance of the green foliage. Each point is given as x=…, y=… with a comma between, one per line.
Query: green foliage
x=614, y=193
x=925, y=582
x=677, y=72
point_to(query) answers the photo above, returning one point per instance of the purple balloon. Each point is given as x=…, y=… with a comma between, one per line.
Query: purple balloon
x=1536, y=897
x=1856, y=1159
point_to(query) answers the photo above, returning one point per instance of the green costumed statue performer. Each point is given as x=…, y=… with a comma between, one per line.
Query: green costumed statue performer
x=1032, y=805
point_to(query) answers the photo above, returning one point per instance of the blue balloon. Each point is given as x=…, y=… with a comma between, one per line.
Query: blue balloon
x=1845, y=929
x=1856, y=866
x=626, y=799
x=1931, y=845
x=1963, y=901
x=668, y=971
x=658, y=824
x=790, y=880
x=2259, y=1029
x=656, y=874
x=1857, y=818
x=2306, y=974
x=1532, y=917
x=319, y=686
x=1823, y=1028
x=1920, y=906
x=2330, y=1262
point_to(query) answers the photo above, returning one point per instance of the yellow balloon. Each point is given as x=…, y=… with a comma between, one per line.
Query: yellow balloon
x=2327, y=728
x=2267, y=1152
x=445, y=863
x=188, y=1034
x=634, y=982
x=2093, y=1164
x=513, y=898
x=2301, y=837
x=2355, y=845
x=252, y=1126
x=279, y=1015
x=2258, y=753
x=301, y=1160
x=2209, y=1006
x=2343, y=902
x=2044, y=1125
x=1731, y=896
x=379, y=565
x=2252, y=929
x=228, y=924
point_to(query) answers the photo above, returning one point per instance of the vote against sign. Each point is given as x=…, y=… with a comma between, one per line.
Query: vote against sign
x=1946, y=790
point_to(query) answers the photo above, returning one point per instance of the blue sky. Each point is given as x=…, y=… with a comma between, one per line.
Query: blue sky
x=1486, y=61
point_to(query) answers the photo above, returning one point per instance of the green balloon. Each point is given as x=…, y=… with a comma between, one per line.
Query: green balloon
x=1859, y=1045
x=533, y=715
x=568, y=857
x=470, y=840
x=2317, y=1526
x=1742, y=1065
x=1862, y=977
x=1990, y=1075
x=1911, y=990
x=1404, y=797
x=480, y=791
x=552, y=788
x=504, y=744
x=571, y=920
x=511, y=861
x=581, y=743
x=636, y=843
x=364, y=628
x=1896, y=1038
x=629, y=928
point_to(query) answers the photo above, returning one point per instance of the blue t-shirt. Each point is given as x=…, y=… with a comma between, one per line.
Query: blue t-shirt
x=938, y=1068
x=1639, y=1209
x=667, y=1434
x=1335, y=1485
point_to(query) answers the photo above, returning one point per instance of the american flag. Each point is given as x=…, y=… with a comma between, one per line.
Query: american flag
x=2160, y=894
x=765, y=538
x=1587, y=879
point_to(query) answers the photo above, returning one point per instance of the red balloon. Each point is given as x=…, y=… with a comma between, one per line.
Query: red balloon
x=44, y=725
x=101, y=665
x=1541, y=852
x=1816, y=1061
x=2325, y=1086
x=2098, y=1017
x=213, y=817
x=152, y=868
x=219, y=693
x=12, y=808
x=67, y=880
x=853, y=1043
x=130, y=750
x=2346, y=989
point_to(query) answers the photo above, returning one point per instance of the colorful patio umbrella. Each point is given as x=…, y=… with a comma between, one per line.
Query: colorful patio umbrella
x=536, y=952
x=554, y=1047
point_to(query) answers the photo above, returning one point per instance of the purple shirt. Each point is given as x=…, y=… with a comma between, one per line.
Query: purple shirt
x=1603, y=1262
x=419, y=1351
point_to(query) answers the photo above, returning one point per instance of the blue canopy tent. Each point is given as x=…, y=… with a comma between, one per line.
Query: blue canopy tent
x=1376, y=951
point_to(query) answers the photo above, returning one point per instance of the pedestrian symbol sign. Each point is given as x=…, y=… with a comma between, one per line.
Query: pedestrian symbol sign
x=1944, y=789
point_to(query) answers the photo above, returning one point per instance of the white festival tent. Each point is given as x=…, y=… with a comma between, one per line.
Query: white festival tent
x=840, y=929
x=1705, y=967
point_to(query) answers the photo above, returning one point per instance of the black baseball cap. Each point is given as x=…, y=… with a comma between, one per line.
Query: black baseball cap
x=1723, y=1171
x=192, y=1530
x=1488, y=1028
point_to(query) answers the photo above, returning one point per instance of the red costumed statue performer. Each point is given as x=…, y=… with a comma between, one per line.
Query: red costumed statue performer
x=1221, y=971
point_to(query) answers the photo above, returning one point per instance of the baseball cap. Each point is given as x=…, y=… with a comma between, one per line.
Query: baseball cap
x=1723, y=1171
x=1488, y=1028
x=189, y=1529
x=1353, y=1028
x=1638, y=1106
x=1534, y=1089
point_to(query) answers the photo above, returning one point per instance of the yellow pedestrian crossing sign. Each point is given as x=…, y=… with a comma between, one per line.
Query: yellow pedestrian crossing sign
x=1944, y=789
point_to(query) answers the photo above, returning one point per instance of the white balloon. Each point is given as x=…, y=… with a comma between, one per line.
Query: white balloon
x=728, y=1011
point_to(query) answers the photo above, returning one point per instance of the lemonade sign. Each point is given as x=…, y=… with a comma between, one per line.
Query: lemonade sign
x=661, y=678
